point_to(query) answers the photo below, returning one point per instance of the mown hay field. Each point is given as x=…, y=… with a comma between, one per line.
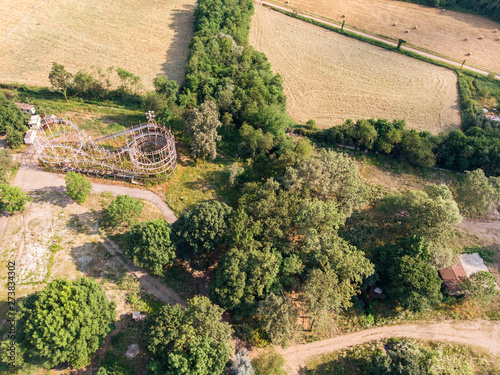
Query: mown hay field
x=330, y=78
x=147, y=38
x=439, y=30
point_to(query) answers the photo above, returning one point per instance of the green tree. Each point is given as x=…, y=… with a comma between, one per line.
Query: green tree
x=166, y=87
x=479, y=284
x=279, y=319
x=65, y=323
x=243, y=278
x=417, y=150
x=14, y=138
x=78, y=187
x=5, y=164
x=402, y=358
x=255, y=141
x=330, y=175
x=269, y=362
x=201, y=126
x=365, y=133
x=12, y=199
x=11, y=117
x=475, y=194
x=60, y=79
x=427, y=213
x=124, y=210
x=414, y=283
x=194, y=341
x=198, y=232
x=149, y=246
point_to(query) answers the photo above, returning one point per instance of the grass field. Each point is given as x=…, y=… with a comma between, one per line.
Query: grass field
x=147, y=38
x=330, y=77
x=442, y=31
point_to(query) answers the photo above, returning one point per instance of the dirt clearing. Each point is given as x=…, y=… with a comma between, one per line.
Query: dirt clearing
x=330, y=78
x=439, y=30
x=147, y=38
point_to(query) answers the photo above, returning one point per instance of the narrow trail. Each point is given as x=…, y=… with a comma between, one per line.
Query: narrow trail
x=387, y=41
x=477, y=333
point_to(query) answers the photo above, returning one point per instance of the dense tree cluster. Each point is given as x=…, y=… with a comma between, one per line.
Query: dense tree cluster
x=189, y=341
x=12, y=122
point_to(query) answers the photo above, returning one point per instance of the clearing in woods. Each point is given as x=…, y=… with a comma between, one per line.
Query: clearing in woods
x=147, y=38
x=439, y=30
x=331, y=78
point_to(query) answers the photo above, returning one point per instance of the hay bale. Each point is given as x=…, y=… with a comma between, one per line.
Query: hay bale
x=469, y=53
x=343, y=16
x=415, y=27
x=495, y=31
x=466, y=39
x=481, y=37
x=407, y=31
x=395, y=24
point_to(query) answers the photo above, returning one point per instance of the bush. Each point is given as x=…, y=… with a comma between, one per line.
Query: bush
x=269, y=362
x=12, y=199
x=123, y=210
x=78, y=186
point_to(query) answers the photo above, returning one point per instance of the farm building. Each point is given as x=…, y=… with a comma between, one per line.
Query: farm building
x=468, y=264
x=29, y=109
x=35, y=121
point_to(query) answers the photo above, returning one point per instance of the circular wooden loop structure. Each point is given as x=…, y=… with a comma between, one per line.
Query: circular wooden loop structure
x=141, y=151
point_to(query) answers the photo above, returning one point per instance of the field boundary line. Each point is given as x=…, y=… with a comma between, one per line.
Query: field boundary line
x=382, y=41
x=19, y=24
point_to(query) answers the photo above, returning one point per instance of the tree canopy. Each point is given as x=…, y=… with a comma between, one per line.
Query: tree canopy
x=60, y=79
x=78, y=187
x=12, y=198
x=194, y=341
x=65, y=322
x=201, y=126
x=199, y=231
x=475, y=194
x=124, y=210
x=149, y=245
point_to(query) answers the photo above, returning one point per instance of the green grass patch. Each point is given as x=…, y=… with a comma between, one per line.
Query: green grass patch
x=180, y=280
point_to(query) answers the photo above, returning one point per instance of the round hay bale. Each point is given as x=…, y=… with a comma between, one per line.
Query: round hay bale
x=469, y=53
x=395, y=24
x=495, y=31
x=415, y=27
x=407, y=31
x=343, y=16
x=466, y=39
x=481, y=37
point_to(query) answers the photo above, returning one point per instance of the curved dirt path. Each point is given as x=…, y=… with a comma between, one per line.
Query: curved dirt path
x=387, y=41
x=478, y=333
x=30, y=177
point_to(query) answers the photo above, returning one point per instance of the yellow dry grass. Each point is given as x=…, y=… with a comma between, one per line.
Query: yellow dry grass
x=330, y=77
x=442, y=31
x=147, y=38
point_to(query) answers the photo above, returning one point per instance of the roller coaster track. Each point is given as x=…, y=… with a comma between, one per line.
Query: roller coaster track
x=141, y=151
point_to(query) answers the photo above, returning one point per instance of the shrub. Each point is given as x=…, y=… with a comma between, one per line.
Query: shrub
x=123, y=210
x=78, y=186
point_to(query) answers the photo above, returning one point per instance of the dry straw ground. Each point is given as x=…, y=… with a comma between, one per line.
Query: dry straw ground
x=442, y=31
x=330, y=78
x=147, y=38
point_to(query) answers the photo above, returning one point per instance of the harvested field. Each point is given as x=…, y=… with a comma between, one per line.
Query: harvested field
x=439, y=30
x=147, y=38
x=330, y=77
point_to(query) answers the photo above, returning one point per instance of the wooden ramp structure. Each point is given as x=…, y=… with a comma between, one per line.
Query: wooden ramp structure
x=139, y=152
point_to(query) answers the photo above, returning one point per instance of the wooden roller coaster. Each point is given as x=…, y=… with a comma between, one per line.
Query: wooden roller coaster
x=139, y=152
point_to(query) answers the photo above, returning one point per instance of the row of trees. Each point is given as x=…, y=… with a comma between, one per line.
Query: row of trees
x=96, y=84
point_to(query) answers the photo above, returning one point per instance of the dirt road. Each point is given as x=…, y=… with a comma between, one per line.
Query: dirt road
x=478, y=333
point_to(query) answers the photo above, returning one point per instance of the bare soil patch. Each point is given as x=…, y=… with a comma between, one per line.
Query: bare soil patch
x=331, y=78
x=439, y=30
x=147, y=38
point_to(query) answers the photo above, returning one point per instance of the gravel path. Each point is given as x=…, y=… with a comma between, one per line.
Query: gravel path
x=478, y=333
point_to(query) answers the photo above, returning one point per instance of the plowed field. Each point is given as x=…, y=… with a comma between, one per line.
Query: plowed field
x=147, y=38
x=330, y=77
